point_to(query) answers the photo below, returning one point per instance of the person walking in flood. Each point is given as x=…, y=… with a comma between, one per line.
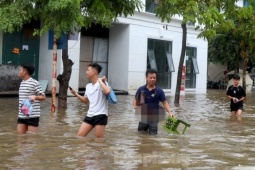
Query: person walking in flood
x=150, y=93
x=95, y=95
x=30, y=97
x=237, y=95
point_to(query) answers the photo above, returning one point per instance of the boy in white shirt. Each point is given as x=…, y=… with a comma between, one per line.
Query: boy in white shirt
x=95, y=95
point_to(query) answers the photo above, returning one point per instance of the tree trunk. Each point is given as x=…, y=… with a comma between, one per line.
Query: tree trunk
x=64, y=78
x=182, y=57
x=54, y=73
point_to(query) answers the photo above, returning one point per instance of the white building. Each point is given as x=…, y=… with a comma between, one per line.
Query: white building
x=132, y=45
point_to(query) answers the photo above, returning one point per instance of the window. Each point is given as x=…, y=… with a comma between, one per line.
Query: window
x=151, y=5
x=170, y=61
x=191, y=67
x=151, y=57
x=160, y=58
x=246, y=3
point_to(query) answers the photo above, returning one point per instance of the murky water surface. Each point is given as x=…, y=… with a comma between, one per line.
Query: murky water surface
x=213, y=141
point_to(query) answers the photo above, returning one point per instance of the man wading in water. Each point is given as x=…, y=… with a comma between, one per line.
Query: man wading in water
x=236, y=94
x=98, y=105
x=152, y=94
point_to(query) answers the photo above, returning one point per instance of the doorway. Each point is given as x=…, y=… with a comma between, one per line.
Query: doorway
x=92, y=50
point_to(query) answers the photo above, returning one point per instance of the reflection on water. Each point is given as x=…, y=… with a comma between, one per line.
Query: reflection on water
x=212, y=141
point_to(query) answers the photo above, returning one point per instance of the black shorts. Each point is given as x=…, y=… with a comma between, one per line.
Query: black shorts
x=236, y=106
x=151, y=127
x=29, y=122
x=96, y=120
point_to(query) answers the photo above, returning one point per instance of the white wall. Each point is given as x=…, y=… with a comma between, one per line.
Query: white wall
x=118, y=56
x=201, y=46
x=74, y=55
x=45, y=60
x=216, y=71
x=144, y=26
x=240, y=3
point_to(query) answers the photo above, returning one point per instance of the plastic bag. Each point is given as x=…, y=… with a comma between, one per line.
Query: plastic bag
x=26, y=107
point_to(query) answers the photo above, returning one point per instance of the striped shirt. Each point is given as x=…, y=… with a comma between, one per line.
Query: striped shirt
x=28, y=88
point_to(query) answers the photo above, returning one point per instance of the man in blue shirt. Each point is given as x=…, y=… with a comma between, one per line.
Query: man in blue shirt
x=150, y=94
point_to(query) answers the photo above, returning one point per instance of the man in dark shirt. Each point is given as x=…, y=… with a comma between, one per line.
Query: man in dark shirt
x=151, y=94
x=237, y=95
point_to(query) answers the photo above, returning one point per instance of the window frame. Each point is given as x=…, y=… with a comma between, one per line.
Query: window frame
x=170, y=61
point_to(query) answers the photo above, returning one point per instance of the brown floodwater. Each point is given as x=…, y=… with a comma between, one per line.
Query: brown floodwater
x=213, y=141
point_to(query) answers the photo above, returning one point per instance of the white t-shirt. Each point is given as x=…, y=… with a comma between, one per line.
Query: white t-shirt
x=98, y=103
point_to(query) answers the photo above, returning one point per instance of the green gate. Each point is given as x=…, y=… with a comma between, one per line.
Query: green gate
x=21, y=47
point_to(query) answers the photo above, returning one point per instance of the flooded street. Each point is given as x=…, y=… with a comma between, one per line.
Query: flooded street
x=213, y=141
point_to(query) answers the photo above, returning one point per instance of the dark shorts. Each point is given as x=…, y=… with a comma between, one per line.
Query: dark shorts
x=96, y=120
x=236, y=106
x=151, y=127
x=29, y=122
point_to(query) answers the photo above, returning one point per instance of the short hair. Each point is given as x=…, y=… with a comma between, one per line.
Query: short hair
x=29, y=67
x=96, y=66
x=236, y=77
x=150, y=71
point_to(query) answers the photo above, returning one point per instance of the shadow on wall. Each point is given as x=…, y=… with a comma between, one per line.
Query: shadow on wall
x=9, y=80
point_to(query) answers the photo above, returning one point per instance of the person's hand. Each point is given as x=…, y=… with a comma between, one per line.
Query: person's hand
x=104, y=79
x=73, y=92
x=32, y=98
x=135, y=107
x=171, y=114
x=235, y=100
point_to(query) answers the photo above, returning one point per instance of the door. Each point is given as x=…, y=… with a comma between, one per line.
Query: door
x=21, y=47
x=92, y=50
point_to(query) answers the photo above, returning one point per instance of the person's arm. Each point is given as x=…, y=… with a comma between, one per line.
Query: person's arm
x=39, y=97
x=230, y=97
x=229, y=93
x=81, y=98
x=106, y=89
x=135, y=103
x=243, y=95
x=241, y=99
x=39, y=94
x=167, y=107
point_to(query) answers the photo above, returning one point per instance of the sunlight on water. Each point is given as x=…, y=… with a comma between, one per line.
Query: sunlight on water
x=212, y=141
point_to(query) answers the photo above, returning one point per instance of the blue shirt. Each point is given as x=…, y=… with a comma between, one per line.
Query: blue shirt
x=154, y=96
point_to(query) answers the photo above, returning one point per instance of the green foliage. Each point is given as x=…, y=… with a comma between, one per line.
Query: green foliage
x=14, y=13
x=224, y=49
x=244, y=31
x=237, y=44
x=63, y=15
x=206, y=13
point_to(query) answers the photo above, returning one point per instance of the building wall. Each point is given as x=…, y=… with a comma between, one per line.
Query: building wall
x=118, y=60
x=45, y=60
x=216, y=71
x=9, y=80
x=128, y=53
x=74, y=55
x=143, y=26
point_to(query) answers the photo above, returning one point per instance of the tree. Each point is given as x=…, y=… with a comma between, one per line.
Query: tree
x=224, y=49
x=236, y=45
x=205, y=13
x=65, y=16
x=245, y=33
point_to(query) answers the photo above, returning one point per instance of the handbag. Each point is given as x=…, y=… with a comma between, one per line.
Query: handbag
x=111, y=97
